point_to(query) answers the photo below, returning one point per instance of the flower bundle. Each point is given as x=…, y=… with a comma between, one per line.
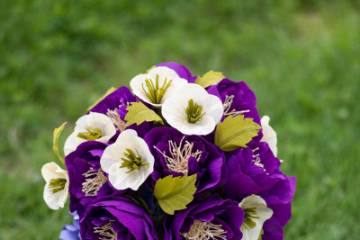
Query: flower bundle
x=176, y=157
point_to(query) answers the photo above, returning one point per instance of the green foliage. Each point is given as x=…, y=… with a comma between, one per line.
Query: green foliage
x=175, y=193
x=235, y=132
x=210, y=78
x=139, y=113
x=56, y=141
x=301, y=58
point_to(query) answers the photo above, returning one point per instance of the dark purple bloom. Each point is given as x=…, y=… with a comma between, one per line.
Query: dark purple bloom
x=71, y=231
x=115, y=101
x=119, y=218
x=180, y=69
x=177, y=154
x=88, y=182
x=223, y=217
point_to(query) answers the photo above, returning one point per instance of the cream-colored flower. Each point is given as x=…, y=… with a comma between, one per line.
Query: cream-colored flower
x=192, y=110
x=128, y=161
x=269, y=134
x=93, y=126
x=155, y=86
x=57, y=185
x=256, y=213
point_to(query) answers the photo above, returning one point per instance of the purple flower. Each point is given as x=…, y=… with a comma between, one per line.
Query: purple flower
x=177, y=154
x=118, y=218
x=71, y=231
x=88, y=182
x=257, y=172
x=210, y=218
x=116, y=101
x=181, y=70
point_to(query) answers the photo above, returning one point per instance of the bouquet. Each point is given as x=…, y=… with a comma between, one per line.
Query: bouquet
x=176, y=156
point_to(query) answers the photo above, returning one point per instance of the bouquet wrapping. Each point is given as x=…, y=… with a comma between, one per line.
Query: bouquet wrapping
x=175, y=156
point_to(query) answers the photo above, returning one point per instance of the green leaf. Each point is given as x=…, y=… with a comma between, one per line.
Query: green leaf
x=56, y=141
x=210, y=78
x=174, y=193
x=108, y=92
x=139, y=113
x=234, y=132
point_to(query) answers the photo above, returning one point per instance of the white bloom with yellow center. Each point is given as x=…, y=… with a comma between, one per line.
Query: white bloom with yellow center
x=155, y=86
x=269, y=134
x=256, y=213
x=90, y=127
x=57, y=185
x=192, y=110
x=128, y=161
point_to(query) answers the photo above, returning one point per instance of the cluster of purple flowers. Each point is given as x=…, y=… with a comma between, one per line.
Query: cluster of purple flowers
x=241, y=193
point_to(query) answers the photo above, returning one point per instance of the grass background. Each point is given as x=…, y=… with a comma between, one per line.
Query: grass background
x=302, y=58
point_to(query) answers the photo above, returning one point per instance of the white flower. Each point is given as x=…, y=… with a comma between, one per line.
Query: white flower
x=57, y=185
x=155, y=86
x=256, y=213
x=128, y=161
x=269, y=134
x=192, y=110
x=93, y=126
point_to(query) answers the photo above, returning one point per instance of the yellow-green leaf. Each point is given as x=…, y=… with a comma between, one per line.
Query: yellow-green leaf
x=108, y=92
x=175, y=193
x=234, y=132
x=56, y=141
x=139, y=113
x=210, y=78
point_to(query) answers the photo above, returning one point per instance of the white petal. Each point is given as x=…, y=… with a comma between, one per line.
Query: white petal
x=262, y=212
x=174, y=110
x=51, y=170
x=91, y=120
x=269, y=134
x=111, y=161
x=163, y=74
x=56, y=200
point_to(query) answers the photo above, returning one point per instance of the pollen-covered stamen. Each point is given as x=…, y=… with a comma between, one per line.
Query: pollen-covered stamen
x=106, y=232
x=57, y=184
x=256, y=159
x=94, y=180
x=227, y=107
x=132, y=160
x=91, y=134
x=205, y=231
x=250, y=217
x=153, y=91
x=179, y=155
x=115, y=118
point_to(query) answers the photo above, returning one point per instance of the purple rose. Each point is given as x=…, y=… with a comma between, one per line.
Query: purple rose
x=71, y=231
x=116, y=101
x=88, y=182
x=257, y=172
x=214, y=219
x=178, y=155
x=181, y=70
x=118, y=218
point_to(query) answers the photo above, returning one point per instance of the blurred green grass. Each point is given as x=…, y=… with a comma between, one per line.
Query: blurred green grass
x=300, y=57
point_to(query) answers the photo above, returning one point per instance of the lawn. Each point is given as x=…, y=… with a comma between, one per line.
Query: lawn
x=302, y=58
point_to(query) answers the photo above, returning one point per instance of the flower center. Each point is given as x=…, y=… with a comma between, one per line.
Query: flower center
x=93, y=182
x=57, y=184
x=153, y=91
x=115, y=118
x=250, y=216
x=179, y=156
x=132, y=160
x=91, y=134
x=227, y=107
x=194, y=112
x=106, y=232
x=205, y=231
